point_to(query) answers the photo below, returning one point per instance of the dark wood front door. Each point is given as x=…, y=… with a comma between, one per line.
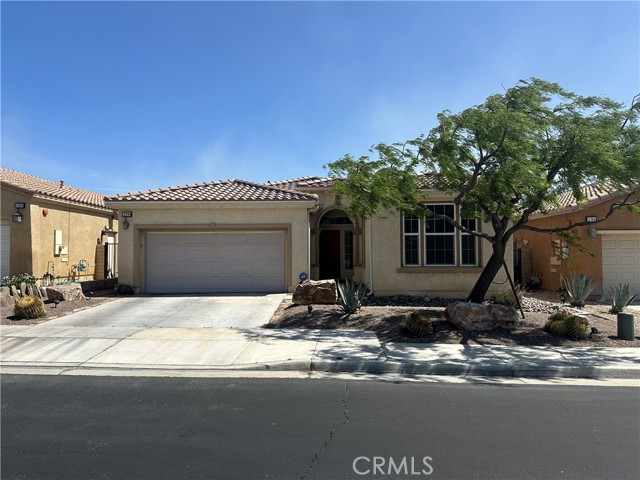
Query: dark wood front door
x=330, y=254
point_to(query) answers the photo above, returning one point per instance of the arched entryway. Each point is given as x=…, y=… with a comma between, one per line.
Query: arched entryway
x=336, y=245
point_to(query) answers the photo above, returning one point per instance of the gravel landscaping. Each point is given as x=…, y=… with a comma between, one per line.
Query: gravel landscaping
x=386, y=317
x=55, y=311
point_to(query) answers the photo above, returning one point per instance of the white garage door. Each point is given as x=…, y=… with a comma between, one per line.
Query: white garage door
x=215, y=262
x=621, y=261
x=5, y=250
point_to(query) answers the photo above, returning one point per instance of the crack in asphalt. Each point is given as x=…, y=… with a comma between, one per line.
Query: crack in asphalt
x=332, y=432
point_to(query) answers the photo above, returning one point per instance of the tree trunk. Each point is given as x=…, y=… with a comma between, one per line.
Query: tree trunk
x=489, y=272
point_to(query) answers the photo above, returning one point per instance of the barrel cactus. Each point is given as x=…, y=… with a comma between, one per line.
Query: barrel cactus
x=418, y=324
x=29, y=307
x=567, y=324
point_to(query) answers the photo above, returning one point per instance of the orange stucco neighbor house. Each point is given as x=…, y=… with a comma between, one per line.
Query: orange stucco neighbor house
x=611, y=248
x=239, y=236
x=53, y=228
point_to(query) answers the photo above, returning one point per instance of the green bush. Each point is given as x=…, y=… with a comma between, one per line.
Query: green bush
x=17, y=280
x=620, y=296
x=505, y=296
x=350, y=295
x=578, y=287
x=29, y=307
x=418, y=324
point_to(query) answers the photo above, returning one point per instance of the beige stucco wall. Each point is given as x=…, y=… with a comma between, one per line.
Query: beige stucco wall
x=291, y=218
x=589, y=261
x=21, y=260
x=32, y=241
x=388, y=277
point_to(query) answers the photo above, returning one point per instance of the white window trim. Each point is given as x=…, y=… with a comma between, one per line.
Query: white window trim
x=452, y=234
x=404, y=246
x=475, y=244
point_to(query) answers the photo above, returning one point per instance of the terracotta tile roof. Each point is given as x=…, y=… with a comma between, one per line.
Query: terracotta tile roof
x=302, y=182
x=590, y=194
x=220, y=191
x=46, y=188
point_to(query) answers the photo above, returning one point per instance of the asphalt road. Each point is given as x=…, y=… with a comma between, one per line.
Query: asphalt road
x=174, y=428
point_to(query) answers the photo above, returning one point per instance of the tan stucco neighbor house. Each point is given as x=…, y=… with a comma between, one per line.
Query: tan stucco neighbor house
x=610, y=249
x=239, y=236
x=53, y=228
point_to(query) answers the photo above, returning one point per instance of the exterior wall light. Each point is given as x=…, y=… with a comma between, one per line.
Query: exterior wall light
x=593, y=232
x=125, y=224
x=17, y=217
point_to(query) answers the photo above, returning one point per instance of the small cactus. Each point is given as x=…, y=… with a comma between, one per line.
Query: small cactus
x=566, y=324
x=576, y=327
x=418, y=324
x=29, y=307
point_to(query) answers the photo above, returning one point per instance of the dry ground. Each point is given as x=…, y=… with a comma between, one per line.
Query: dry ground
x=388, y=321
x=388, y=324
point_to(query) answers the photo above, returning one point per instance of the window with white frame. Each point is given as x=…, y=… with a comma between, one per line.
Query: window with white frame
x=431, y=241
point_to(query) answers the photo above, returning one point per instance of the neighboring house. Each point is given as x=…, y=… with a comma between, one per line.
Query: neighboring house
x=611, y=248
x=52, y=228
x=238, y=236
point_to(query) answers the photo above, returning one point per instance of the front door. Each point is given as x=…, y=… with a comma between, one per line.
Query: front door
x=330, y=254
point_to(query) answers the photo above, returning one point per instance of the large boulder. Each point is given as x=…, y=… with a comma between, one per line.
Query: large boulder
x=315, y=292
x=480, y=316
x=62, y=293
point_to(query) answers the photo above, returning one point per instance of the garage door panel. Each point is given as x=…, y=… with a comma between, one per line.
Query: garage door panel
x=215, y=262
x=621, y=260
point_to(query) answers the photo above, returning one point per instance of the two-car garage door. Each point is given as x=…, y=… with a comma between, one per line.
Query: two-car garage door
x=215, y=262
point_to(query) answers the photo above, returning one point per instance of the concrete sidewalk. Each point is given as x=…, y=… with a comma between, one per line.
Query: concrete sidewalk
x=51, y=348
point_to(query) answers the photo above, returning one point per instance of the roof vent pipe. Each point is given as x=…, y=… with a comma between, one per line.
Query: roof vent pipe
x=61, y=183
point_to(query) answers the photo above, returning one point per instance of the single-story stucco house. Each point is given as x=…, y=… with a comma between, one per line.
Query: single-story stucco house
x=239, y=236
x=610, y=252
x=52, y=228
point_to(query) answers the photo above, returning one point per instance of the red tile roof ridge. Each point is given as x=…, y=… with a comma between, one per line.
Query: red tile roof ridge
x=57, y=190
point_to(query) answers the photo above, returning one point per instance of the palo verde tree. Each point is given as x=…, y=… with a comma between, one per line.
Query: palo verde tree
x=502, y=161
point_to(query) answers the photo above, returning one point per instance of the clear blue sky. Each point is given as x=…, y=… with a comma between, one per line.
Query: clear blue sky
x=124, y=96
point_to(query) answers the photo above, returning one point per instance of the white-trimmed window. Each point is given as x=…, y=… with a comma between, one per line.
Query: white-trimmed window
x=435, y=242
x=411, y=240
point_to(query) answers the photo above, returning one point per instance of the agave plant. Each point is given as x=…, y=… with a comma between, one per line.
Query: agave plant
x=350, y=295
x=578, y=287
x=620, y=296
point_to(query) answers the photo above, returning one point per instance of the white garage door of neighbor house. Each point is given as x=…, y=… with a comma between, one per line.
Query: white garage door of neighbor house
x=621, y=261
x=5, y=250
x=215, y=262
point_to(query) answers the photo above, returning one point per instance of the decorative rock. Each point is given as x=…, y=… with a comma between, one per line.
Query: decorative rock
x=479, y=316
x=23, y=289
x=61, y=293
x=315, y=292
x=6, y=300
x=43, y=292
x=14, y=292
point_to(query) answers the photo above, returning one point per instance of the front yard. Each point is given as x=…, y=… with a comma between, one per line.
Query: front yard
x=387, y=320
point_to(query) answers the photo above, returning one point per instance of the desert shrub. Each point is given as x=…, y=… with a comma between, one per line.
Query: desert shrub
x=19, y=279
x=350, y=295
x=29, y=307
x=578, y=287
x=620, y=296
x=418, y=324
x=505, y=296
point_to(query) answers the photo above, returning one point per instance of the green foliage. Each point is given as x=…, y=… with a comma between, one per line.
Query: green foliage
x=17, y=280
x=566, y=324
x=418, y=324
x=578, y=286
x=501, y=161
x=350, y=295
x=620, y=296
x=29, y=307
x=505, y=296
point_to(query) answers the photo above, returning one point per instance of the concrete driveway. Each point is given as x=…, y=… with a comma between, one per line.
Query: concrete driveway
x=177, y=312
